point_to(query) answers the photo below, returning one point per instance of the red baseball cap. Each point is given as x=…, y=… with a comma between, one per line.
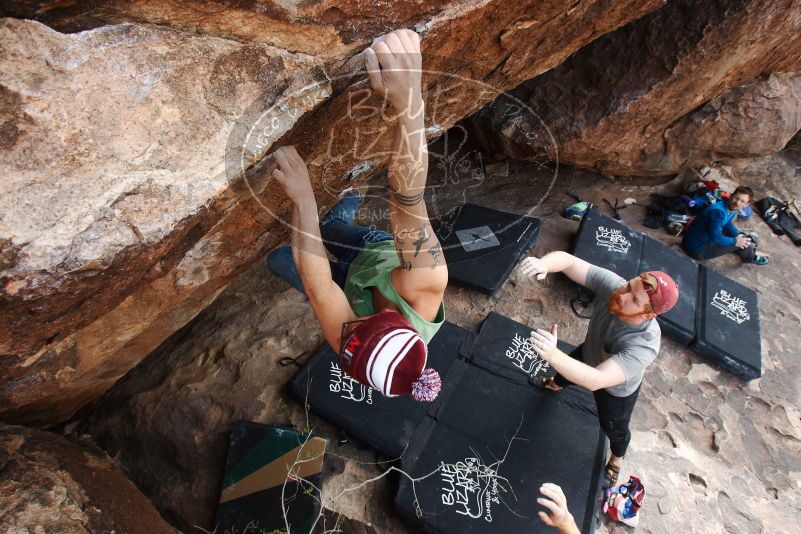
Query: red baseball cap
x=666, y=294
x=386, y=353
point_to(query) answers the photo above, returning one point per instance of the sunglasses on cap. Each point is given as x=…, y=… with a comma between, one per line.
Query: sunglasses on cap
x=649, y=283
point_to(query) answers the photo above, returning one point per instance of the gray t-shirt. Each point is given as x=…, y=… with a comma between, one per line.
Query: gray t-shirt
x=633, y=347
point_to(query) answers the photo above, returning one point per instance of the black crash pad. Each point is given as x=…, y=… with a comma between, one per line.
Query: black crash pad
x=715, y=315
x=385, y=424
x=728, y=325
x=678, y=323
x=483, y=245
x=471, y=490
x=503, y=346
x=609, y=244
x=256, y=480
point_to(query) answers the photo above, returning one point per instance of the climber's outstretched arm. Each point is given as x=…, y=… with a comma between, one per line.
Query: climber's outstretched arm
x=394, y=64
x=330, y=306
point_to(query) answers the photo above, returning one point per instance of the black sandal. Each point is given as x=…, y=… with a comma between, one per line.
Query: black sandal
x=611, y=475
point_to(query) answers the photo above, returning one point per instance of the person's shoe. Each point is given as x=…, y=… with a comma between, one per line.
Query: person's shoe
x=760, y=260
x=548, y=382
x=611, y=475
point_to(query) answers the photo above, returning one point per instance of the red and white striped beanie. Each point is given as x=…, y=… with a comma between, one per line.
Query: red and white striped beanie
x=385, y=352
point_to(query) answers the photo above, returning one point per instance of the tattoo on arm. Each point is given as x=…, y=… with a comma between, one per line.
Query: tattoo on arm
x=418, y=236
x=436, y=255
x=405, y=265
x=408, y=200
x=422, y=238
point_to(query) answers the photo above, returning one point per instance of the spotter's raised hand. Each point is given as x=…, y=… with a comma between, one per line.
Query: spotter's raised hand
x=532, y=266
x=545, y=342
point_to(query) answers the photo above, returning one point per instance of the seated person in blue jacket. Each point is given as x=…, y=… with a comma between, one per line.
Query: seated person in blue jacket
x=380, y=303
x=712, y=233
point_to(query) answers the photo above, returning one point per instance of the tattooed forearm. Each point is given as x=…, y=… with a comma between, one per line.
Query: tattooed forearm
x=408, y=200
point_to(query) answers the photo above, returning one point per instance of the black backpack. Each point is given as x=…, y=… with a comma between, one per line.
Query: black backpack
x=780, y=220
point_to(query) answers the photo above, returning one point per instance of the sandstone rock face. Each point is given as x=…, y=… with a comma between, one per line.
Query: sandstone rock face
x=755, y=119
x=48, y=484
x=114, y=188
x=132, y=195
x=318, y=28
x=715, y=454
x=687, y=84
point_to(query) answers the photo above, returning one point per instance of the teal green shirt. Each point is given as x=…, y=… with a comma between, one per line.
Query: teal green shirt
x=373, y=268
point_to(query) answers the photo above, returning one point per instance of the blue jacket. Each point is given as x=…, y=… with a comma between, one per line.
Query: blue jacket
x=713, y=225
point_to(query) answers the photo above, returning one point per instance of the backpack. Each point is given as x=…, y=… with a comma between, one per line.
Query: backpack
x=780, y=217
x=622, y=502
x=743, y=214
x=576, y=211
x=794, y=209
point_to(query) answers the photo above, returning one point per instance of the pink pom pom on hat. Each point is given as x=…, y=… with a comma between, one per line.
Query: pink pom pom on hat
x=385, y=352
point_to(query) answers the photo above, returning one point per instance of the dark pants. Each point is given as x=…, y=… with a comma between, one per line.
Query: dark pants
x=712, y=250
x=342, y=239
x=614, y=413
